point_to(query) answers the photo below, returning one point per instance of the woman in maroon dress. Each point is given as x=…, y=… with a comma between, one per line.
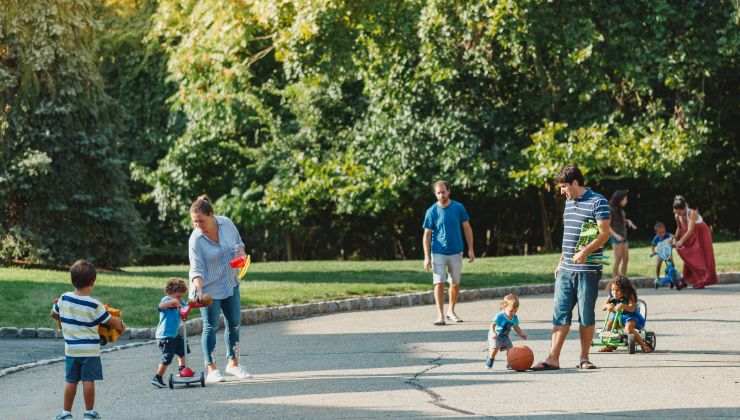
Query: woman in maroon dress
x=694, y=245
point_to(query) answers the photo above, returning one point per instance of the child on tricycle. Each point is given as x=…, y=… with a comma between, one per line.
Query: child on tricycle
x=625, y=321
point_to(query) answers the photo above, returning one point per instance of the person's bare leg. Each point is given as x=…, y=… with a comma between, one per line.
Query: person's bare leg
x=587, y=335
x=88, y=391
x=70, y=390
x=439, y=299
x=559, y=334
x=625, y=258
x=454, y=291
x=618, y=256
x=630, y=329
x=658, y=265
x=493, y=353
x=161, y=369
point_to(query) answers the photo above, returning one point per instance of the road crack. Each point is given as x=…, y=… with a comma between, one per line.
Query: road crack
x=436, y=399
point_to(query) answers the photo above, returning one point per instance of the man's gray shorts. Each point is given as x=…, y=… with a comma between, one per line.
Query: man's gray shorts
x=446, y=268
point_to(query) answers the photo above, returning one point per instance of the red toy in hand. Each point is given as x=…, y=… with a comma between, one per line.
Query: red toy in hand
x=204, y=301
x=242, y=263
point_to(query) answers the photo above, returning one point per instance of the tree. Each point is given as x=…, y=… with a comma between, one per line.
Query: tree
x=63, y=186
x=314, y=118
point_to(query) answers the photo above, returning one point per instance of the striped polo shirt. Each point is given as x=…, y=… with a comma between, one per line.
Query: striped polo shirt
x=590, y=207
x=209, y=260
x=80, y=317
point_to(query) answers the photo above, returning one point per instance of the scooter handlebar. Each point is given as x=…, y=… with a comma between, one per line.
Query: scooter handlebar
x=202, y=302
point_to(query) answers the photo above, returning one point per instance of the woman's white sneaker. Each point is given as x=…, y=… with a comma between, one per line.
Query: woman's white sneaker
x=238, y=371
x=214, y=376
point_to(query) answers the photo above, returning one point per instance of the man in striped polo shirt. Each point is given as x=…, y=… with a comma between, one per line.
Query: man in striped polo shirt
x=579, y=271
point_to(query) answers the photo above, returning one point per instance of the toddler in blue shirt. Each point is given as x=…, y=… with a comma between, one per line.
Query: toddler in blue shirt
x=501, y=326
x=168, y=335
x=661, y=234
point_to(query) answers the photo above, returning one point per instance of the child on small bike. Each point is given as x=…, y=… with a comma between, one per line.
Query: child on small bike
x=661, y=234
x=663, y=250
x=622, y=301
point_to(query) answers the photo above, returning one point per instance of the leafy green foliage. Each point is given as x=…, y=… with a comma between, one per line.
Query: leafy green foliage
x=62, y=181
x=319, y=125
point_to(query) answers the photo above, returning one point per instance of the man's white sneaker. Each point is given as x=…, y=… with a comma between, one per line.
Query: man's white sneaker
x=214, y=376
x=238, y=371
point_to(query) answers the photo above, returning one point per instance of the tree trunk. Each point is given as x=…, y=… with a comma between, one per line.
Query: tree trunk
x=398, y=234
x=546, y=230
x=289, y=246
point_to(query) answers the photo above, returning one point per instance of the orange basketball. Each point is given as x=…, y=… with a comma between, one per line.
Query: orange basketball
x=520, y=358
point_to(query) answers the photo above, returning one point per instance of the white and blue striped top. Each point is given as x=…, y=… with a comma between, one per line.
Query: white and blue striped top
x=590, y=207
x=80, y=317
x=210, y=260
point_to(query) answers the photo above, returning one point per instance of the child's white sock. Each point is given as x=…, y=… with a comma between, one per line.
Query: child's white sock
x=89, y=411
x=65, y=412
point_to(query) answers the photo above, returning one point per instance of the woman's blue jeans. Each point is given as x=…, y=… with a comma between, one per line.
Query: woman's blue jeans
x=232, y=316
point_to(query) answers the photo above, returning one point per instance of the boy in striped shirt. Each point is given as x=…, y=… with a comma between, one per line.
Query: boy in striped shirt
x=79, y=315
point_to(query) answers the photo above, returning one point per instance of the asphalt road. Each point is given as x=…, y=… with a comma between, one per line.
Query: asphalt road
x=18, y=351
x=396, y=364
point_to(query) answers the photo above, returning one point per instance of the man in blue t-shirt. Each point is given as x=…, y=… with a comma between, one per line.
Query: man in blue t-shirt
x=585, y=231
x=444, y=223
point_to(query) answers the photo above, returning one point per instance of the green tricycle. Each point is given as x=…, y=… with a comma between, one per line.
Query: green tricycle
x=616, y=336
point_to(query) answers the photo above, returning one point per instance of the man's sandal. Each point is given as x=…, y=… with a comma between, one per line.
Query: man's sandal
x=544, y=366
x=586, y=364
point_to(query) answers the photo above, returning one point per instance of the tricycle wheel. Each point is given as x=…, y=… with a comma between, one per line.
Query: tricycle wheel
x=631, y=343
x=172, y=381
x=650, y=337
x=202, y=380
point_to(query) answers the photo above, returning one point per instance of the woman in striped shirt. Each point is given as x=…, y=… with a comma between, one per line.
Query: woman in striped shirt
x=213, y=243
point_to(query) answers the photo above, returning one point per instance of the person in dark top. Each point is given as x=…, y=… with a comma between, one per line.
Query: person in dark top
x=618, y=232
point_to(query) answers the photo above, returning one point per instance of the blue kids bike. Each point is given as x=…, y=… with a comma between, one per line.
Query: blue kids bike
x=664, y=251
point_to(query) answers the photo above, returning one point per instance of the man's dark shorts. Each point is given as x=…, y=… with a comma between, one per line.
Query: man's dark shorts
x=171, y=347
x=84, y=369
x=576, y=287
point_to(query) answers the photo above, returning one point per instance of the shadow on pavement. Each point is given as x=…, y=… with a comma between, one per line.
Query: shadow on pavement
x=669, y=413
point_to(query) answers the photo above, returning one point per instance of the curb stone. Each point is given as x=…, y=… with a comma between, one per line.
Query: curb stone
x=8, y=332
x=27, y=332
x=45, y=333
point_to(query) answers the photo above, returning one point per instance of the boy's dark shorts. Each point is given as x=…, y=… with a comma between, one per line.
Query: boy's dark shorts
x=84, y=369
x=171, y=347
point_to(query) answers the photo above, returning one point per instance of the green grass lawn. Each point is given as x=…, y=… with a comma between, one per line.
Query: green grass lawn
x=26, y=294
